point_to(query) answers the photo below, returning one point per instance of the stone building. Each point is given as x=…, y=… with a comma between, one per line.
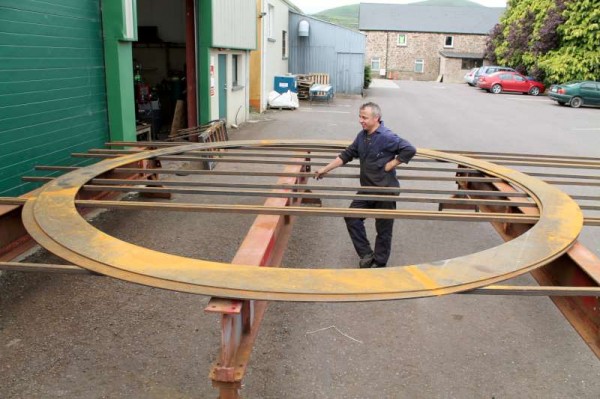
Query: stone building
x=421, y=42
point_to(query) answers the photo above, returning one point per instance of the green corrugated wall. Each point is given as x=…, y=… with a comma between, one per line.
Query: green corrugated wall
x=52, y=86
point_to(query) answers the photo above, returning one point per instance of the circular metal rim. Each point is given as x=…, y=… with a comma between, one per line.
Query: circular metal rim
x=51, y=218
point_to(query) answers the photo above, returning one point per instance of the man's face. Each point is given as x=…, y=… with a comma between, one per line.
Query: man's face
x=367, y=120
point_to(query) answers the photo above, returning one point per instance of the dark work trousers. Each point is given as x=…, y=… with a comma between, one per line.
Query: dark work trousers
x=384, y=227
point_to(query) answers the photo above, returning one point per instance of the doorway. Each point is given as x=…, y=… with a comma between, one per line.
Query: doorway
x=222, y=86
x=159, y=62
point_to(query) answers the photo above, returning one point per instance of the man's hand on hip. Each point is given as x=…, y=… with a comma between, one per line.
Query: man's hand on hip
x=391, y=165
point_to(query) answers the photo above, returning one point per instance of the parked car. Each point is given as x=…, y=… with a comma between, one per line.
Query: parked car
x=470, y=77
x=489, y=69
x=510, y=81
x=576, y=93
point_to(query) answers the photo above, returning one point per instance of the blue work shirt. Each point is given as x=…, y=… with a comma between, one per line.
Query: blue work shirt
x=374, y=151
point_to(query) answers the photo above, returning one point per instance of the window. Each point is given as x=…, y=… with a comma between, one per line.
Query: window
x=401, y=39
x=519, y=78
x=470, y=63
x=375, y=64
x=506, y=76
x=449, y=41
x=235, y=59
x=271, y=23
x=284, y=45
x=419, y=65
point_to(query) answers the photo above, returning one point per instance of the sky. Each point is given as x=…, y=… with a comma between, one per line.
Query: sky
x=313, y=6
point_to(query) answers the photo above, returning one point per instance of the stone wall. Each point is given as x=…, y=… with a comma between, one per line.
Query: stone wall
x=453, y=72
x=399, y=61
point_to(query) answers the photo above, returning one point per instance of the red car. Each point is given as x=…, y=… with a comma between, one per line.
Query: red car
x=510, y=81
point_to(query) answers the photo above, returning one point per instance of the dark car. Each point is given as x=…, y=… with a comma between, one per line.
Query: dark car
x=489, y=69
x=510, y=81
x=576, y=93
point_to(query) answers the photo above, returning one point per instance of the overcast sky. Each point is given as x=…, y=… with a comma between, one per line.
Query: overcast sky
x=313, y=6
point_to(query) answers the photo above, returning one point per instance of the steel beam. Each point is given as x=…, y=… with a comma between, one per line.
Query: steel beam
x=44, y=268
x=314, y=187
x=190, y=275
x=290, y=194
x=264, y=245
x=321, y=212
x=478, y=154
x=577, y=267
x=268, y=236
x=181, y=172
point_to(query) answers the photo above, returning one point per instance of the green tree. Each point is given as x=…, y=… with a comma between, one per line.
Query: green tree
x=552, y=40
x=578, y=55
x=367, y=77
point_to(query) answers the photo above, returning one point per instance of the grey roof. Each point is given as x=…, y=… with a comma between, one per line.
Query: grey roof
x=452, y=54
x=437, y=19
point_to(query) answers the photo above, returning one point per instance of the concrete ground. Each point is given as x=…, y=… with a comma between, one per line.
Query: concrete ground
x=64, y=336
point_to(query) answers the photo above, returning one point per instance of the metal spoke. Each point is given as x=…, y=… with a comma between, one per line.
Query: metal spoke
x=584, y=177
x=322, y=196
x=222, y=158
x=477, y=154
x=535, y=291
x=183, y=172
x=321, y=212
x=565, y=161
x=373, y=189
x=41, y=267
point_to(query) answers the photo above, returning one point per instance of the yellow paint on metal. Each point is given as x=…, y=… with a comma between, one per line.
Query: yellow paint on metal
x=422, y=277
x=53, y=221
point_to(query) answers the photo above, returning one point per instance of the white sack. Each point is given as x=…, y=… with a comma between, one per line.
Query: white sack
x=285, y=100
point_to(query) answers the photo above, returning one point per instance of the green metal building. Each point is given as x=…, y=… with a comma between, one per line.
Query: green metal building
x=66, y=77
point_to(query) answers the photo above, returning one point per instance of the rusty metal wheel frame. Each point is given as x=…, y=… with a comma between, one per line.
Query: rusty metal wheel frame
x=54, y=222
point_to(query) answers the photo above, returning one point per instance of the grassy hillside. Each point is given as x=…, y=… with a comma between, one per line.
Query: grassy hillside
x=348, y=15
x=345, y=16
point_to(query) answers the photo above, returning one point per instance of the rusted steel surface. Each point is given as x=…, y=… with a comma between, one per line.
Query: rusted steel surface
x=321, y=188
x=52, y=217
x=264, y=245
x=539, y=223
x=479, y=154
x=254, y=193
x=14, y=238
x=232, y=306
x=578, y=267
x=301, y=211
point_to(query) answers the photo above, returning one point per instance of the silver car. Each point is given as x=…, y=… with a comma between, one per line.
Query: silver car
x=470, y=77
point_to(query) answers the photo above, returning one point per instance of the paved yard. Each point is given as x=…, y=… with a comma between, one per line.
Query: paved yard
x=93, y=337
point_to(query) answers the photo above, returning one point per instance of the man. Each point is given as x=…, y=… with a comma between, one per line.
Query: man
x=380, y=151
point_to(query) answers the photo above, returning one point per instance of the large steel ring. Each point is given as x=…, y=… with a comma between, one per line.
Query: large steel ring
x=53, y=221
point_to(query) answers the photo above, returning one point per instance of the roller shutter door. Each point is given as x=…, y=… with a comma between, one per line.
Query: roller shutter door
x=52, y=86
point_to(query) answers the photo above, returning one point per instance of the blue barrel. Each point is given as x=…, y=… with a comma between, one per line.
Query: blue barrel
x=284, y=83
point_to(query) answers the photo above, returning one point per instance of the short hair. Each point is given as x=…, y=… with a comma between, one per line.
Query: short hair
x=375, y=110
